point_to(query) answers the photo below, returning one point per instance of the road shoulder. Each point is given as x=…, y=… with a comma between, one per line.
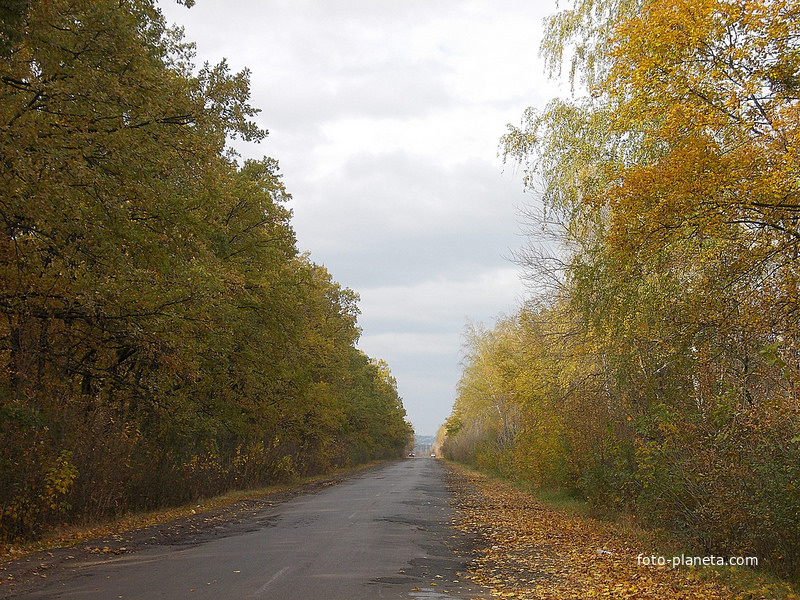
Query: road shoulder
x=199, y=526
x=525, y=549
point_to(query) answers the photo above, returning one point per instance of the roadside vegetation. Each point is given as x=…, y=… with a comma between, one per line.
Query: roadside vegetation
x=162, y=338
x=527, y=549
x=654, y=371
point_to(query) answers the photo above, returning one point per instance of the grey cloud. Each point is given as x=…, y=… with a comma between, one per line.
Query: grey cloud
x=381, y=90
x=399, y=219
x=420, y=224
x=315, y=61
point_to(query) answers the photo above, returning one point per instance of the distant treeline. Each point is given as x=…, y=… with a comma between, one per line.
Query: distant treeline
x=656, y=373
x=161, y=337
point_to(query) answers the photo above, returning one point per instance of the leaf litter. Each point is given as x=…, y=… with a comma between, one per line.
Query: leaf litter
x=528, y=550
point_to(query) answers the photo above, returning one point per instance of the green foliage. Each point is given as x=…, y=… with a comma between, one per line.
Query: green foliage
x=161, y=338
x=660, y=378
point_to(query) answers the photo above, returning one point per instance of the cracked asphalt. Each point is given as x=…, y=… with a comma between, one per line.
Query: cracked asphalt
x=386, y=532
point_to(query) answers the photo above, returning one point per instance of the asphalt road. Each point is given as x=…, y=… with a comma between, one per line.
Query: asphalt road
x=385, y=533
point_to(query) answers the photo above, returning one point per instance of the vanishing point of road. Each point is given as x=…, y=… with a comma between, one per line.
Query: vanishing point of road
x=382, y=533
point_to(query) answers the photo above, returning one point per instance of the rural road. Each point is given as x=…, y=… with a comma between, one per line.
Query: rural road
x=383, y=533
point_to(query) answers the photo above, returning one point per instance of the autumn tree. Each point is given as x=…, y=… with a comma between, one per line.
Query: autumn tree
x=672, y=181
x=376, y=423
x=161, y=337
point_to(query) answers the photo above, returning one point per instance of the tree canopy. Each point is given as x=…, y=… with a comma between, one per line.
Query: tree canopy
x=161, y=336
x=660, y=373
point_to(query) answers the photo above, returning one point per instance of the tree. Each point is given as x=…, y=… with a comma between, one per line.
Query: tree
x=161, y=337
x=674, y=183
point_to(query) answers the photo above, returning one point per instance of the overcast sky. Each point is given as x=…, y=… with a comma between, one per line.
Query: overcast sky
x=385, y=116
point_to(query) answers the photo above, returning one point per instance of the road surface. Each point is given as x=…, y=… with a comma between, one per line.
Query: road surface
x=385, y=533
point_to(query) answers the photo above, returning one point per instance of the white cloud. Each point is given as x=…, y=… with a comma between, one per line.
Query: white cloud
x=386, y=116
x=411, y=344
x=442, y=302
x=417, y=330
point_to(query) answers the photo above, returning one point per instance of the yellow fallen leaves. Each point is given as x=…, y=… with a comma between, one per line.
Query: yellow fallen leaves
x=534, y=552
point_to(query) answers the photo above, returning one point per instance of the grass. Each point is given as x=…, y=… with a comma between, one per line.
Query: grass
x=745, y=583
x=562, y=500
